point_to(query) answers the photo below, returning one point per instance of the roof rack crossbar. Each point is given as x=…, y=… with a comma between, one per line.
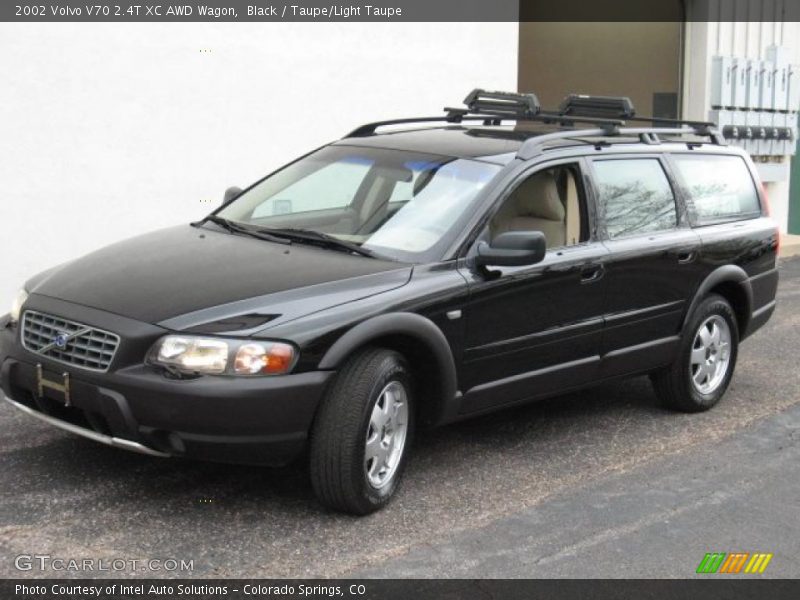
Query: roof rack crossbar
x=567, y=120
x=550, y=118
x=533, y=146
x=457, y=115
x=451, y=117
x=667, y=121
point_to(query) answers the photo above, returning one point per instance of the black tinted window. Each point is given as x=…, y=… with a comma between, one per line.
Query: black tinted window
x=719, y=187
x=635, y=196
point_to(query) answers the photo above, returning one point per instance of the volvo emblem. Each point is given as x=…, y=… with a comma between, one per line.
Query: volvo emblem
x=60, y=340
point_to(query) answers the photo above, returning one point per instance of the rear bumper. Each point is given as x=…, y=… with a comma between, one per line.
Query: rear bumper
x=759, y=318
x=764, y=287
x=226, y=419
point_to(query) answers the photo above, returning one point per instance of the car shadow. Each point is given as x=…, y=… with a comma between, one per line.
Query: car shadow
x=67, y=464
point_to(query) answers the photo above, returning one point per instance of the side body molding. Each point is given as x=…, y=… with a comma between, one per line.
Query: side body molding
x=725, y=274
x=409, y=325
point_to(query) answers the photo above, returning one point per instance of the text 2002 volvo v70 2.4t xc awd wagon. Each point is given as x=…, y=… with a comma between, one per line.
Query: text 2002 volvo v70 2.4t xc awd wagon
x=410, y=274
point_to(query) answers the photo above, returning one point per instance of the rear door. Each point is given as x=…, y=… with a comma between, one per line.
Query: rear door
x=652, y=269
x=726, y=212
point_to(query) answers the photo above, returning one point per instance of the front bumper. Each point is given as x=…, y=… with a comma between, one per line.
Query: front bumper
x=261, y=420
x=108, y=440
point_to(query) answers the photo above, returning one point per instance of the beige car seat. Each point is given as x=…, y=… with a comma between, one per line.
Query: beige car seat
x=573, y=211
x=534, y=206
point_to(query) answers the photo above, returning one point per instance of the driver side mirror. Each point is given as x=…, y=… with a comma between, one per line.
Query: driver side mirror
x=512, y=249
x=231, y=193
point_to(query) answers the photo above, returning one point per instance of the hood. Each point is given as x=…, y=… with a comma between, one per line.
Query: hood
x=202, y=275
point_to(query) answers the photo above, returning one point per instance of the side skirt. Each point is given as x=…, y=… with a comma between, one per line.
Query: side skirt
x=567, y=377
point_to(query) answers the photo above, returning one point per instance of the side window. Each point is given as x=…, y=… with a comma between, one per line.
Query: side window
x=551, y=201
x=635, y=196
x=332, y=186
x=719, y=187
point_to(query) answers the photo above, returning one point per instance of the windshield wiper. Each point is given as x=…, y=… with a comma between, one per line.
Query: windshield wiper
x=321, y=239
x=234, y=227
x=288, y=235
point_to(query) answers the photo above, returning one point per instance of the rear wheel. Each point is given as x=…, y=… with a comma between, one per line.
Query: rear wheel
x=700, y=375
x=362, y=433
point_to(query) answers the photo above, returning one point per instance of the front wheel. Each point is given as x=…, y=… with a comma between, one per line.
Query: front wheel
x=700, y=375
x=362, y=433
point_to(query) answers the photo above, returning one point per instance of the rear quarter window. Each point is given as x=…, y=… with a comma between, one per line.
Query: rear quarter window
x=720, y=188
x=635, y=196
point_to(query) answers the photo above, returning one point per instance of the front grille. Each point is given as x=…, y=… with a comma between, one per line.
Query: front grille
x=90, y=349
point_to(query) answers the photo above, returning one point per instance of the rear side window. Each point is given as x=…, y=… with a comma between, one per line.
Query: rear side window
x=720, y=187
x=635, y=196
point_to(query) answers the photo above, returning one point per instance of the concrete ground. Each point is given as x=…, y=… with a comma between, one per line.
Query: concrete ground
x=601, y=483
x=741, y=494
x=790, y=245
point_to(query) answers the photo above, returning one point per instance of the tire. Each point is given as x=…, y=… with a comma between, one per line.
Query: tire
x=698, y=378
x=347, y=474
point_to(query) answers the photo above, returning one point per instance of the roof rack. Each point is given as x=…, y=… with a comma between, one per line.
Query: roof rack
x=607, y=113
x=493, y=108
x=647, y=135
x=621, y=107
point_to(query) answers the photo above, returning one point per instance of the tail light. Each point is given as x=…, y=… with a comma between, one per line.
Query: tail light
x=768, y=211
x=765, y=198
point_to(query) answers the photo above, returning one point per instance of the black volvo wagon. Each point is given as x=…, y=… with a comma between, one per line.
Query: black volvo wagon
x=413, y=273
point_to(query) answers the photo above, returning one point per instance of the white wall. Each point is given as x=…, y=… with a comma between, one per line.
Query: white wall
x=110, y=130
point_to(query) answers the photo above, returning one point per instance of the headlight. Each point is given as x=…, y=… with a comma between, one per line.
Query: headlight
x=16, y=306
x=190, y=354
x=193, y=354
x=259, y=358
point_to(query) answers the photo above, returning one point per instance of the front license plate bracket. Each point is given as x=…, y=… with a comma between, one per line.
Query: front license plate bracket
x=62, y=387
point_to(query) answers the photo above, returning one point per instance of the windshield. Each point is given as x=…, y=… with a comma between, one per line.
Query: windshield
x=404, y=205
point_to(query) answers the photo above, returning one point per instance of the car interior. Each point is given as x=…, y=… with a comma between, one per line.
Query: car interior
x=549, y=201
x=383, y=192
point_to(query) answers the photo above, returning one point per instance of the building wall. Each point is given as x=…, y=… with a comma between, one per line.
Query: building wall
x=110, y=130
x=604, y=59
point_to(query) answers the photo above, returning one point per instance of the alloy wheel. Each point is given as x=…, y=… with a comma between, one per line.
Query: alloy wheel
x=386, y=435
x=711, y=352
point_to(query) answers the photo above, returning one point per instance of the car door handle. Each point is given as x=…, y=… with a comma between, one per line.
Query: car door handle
x=592, y=273
x=686, y=257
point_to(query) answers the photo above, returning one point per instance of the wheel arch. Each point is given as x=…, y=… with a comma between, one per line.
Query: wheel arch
x=732, y=283
x=423, y=345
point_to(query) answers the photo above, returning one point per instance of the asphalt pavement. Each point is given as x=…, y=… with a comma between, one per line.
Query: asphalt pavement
x=600, y=483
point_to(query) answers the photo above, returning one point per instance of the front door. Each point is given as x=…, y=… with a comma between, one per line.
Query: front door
x=536, y=329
